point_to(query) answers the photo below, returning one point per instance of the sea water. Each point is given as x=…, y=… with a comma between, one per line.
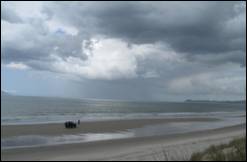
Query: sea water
x=33, y=110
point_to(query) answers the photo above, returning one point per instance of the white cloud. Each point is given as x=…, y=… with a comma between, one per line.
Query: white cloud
x=110, y=58
x=18, y=66
x=16, y=34
x=26, y=9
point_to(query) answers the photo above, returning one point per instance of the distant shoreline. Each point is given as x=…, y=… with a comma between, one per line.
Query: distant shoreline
x=3, y=93
x=215, y=101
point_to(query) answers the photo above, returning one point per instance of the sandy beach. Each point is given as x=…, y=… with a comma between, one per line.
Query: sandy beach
x=90, y=127
x=176, y=146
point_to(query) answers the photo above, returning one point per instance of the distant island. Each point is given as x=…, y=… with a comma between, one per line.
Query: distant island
x=237, y=101
x=3, y=93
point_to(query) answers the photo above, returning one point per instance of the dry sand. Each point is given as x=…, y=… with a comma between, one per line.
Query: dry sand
x=171, y=147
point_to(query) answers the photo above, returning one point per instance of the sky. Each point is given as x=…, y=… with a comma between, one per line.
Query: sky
x=166, y=51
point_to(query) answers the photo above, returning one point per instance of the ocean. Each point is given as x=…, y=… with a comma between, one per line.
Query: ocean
x=17, y=110
x=34, y=110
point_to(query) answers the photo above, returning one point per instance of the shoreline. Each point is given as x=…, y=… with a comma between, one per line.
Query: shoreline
x=128, y=149
x=91, y=126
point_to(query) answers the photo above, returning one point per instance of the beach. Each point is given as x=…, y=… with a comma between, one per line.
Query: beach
x=32, y=128
x=90, y=127
x=177, y=146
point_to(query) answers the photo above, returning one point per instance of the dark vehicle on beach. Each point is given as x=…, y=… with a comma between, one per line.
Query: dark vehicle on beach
x=70, y=124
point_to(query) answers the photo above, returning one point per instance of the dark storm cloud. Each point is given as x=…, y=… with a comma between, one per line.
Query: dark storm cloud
x=186, y=33
x=199, y=31
x=34, y=45
x=10, y=15
x=130, y=50
x=191, y=28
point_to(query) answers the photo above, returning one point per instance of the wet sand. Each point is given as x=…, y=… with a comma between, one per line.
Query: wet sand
x=89, y=127
x=177, y=146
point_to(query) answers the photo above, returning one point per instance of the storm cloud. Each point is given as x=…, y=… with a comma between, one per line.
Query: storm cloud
x=165, y=47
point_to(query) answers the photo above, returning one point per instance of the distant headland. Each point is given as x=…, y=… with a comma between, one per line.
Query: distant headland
x=228, y=101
